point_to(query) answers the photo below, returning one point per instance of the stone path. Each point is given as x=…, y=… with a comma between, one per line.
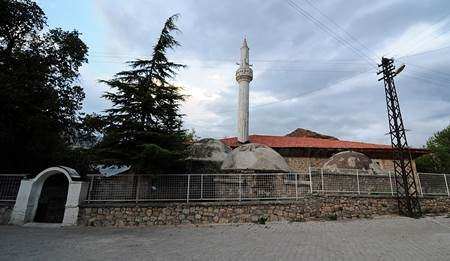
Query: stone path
x=386, y=238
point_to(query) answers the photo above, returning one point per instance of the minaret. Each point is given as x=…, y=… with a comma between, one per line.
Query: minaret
x=244, y=75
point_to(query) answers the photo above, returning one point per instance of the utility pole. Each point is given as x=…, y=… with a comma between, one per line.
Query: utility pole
x=405, y=181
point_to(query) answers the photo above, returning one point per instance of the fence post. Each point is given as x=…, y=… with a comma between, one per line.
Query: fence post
x=201, y=187
x=310, y=180
x=188, y=185
x=446, y=184
x=240, y=187
x=420, y=184
x=321, y=176
x=90, y=189
x=296, y=186
x=138, y=185
x=357, y=181
x=390, y=183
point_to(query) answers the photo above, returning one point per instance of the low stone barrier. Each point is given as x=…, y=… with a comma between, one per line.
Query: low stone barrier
x=314, y=207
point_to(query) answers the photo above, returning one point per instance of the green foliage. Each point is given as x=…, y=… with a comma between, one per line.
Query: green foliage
x=262, y=220
x=39, y=101
x=144, y=127
x=331, y=217
x=439, y=159
x=166, y=159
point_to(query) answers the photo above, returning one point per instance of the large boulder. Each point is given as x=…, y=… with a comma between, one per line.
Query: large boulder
x=206, y=156
x=254, y=157
x=351, y=160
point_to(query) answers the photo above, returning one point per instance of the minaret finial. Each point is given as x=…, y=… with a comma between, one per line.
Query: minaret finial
x=244, y=44
x=245, y=54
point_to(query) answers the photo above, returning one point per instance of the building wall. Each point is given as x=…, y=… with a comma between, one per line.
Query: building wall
x=303, y=209
x=302, y=164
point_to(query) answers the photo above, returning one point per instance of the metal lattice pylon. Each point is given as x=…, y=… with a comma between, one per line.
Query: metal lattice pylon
x=405, y=179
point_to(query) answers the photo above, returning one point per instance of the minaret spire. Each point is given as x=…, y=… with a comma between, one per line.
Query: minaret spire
x=244, y=75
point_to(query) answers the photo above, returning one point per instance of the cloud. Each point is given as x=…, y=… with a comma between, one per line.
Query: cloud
x=303, y=77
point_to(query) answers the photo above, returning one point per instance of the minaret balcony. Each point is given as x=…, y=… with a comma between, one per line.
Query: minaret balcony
x=244, y=74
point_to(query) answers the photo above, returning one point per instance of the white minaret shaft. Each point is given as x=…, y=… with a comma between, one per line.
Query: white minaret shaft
x=244, y=75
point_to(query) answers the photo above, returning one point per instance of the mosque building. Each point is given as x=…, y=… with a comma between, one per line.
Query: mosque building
x=298, y=151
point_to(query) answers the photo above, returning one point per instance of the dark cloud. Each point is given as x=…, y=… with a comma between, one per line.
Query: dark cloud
x=351, y=109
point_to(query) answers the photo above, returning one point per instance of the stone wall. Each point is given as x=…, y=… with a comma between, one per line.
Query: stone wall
x=5, y=213
x=303, y=209
x=302, y=164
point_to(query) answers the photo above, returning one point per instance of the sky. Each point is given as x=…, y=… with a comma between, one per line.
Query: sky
x=314, y=62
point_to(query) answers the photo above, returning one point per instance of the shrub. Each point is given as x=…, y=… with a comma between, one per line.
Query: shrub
x=262, y=220
x=331, y=217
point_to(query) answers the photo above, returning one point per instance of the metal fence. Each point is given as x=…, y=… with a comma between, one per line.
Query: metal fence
x=238, y=187
x=9, y=186
x=197, y=187
x=351, y=181
x=434, y=184
x=260, y=186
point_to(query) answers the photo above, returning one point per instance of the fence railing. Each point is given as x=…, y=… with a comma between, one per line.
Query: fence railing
x=351, y=181
x=9, y=186
x=244, y=187
x=197, y=187
x=238, y=187
x=434, y=184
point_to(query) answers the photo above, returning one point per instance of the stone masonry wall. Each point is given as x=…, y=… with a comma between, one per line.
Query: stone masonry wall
x=5, y=213
x=302, y=164
x=303, y=209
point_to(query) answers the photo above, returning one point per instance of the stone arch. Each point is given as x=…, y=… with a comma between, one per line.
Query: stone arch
x=30, y=191
x=66, y=171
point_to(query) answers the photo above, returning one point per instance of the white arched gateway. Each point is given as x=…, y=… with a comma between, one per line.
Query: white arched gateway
x=53, y=196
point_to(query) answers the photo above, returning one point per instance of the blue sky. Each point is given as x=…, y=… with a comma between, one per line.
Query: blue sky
x=304, y=76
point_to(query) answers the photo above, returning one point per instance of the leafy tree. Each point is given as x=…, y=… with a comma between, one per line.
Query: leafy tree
x=144, y=127
x=39, y=102
x=439, y=159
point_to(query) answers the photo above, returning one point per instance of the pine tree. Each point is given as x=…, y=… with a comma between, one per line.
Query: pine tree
x=144, y=126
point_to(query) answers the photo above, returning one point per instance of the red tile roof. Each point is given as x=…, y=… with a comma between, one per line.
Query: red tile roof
x=307, y=142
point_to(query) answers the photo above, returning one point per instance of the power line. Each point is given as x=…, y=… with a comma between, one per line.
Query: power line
x=424, y=79
x=425, y=52
x=441, y=74
x=268, y=69
x=334, y=61
x=338, y=26
x=423, y=40
x=296, y=95
x=419, y=40
x=329, y=31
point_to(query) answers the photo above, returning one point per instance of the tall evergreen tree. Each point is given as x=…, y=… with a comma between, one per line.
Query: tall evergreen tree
x=144, y=127
x=39, y=98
